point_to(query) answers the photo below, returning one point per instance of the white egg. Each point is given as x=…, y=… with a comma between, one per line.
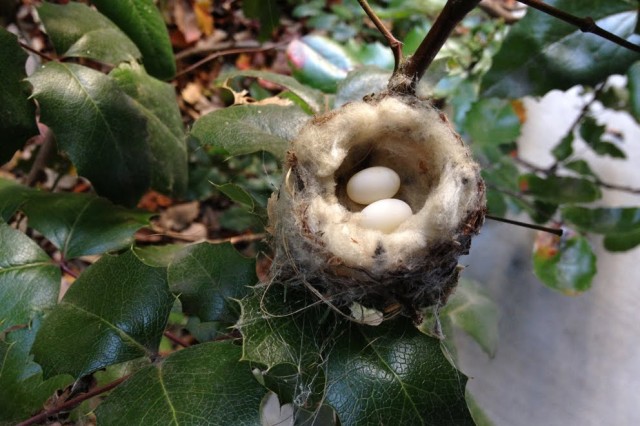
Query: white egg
x=373, y=184
x=385, y=215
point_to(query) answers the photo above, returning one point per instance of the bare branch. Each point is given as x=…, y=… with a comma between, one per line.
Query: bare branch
x=394, y=43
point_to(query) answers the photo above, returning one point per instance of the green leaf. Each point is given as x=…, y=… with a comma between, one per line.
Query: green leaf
x=268, y=12
x=472, y=310
x=203, y=384
x=17, y=112
x=143, y=23
x=581, y=167
x=167, y=144
x=244, y=129
x=361, y=82
x=158, y=256
x=82, y=224
x=633, y=83
x=592, y=133
x=29, y=280
x=560, y=189
x=318, y=62
x=622, y=242
x=22, y=390
x=238, y=194
x=312, y=97
x=567, y=265
x=603, y=220
x=76, y=30
x=90, y=115
x=564, y=149
x=393, y=374
x=492, y=122
x=116, y=311
x=206, y=277
x=12, y=196
x=541, y=53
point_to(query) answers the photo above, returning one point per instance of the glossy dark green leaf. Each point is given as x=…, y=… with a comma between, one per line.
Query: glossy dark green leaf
x=82, y=224
x=472, y=310
x=238, y=194
x=143, y=23
x=22, y=390
x=492, y=121
x=318, y=62
x=633, y=83
x=604, y=220
x=361, y=82
x=115, y=311
x=567, y=265
x=560, y=189
x=29, y=280
x=314, y=98
x=592, y=133
x=167, y=145
x=158, y=256
x=77, y=30
x=266, y=11
x=622, y=242
x=564, y=149
x=244, y=129
x=90, y=115
x=542, y=53
x=12, y=196
x=393, y=374
x=581, y=167
x=17, y=112
x=207, y=277
x=203, y=384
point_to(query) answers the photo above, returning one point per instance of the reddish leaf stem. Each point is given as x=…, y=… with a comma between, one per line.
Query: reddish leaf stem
x=394, y=43
x=72, y=403
x=586, y=24
x=35, y=52
x=177, y=340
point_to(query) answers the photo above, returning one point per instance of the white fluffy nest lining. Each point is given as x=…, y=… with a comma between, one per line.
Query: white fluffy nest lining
x=315, y=226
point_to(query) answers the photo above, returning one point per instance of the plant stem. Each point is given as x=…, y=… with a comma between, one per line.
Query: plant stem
x=394, y=43
x=586, y=24
x=554, y=231
x=72, y=403
x=177, y=340
x=215, y=55
x=46, y=151
x=35, y=52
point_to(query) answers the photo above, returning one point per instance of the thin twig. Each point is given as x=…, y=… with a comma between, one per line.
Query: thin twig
x=35, y=52
x=218, y=54
x=244, y=238
x=394, y=43
x=72, y=403
x=177, y=340
x=554, y=231
x=586, y=24
x=47, y=149
x=406, y=78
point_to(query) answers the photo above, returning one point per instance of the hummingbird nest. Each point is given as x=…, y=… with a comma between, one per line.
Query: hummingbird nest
x=318, y=234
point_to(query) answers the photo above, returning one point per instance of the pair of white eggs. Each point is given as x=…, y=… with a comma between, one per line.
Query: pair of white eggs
x=374, y=187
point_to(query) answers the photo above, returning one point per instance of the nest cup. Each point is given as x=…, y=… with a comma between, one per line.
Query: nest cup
x=318, y=239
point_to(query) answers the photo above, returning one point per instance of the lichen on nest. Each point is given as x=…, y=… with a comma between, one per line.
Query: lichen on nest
x=318, y=235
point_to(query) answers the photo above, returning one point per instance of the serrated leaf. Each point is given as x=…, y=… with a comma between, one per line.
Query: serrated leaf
x=89, y=114
x=361, y=82
x=560, y=189
x=203, y=384
x=541, y=53
x=167, y=144
x=318, y=62
x=12, y=196
x=82, y=224
x=244, y=129
x=143, y=23
x=622, y=242
x=22, y=390
x=393, y=374
x=633, y=83
x=115, y=311
x=17, y=112
x=604, y=220
x=472, y=310
x=564, y=149
x=76, y=30
x=492, y=122
x=592, y=133
x=206, y=277
x=564, y=264
x=29, y=280
x=314, y=98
